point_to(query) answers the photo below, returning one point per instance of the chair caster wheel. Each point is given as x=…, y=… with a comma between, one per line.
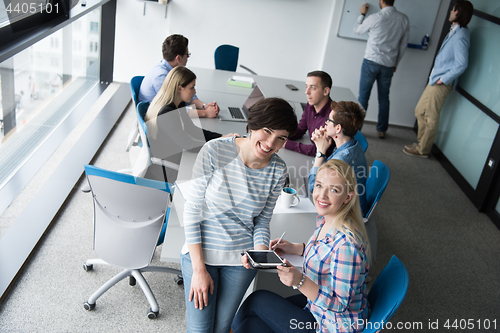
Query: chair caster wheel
x=88, y=306
x=179, y=280
x=152, y=314
x=88, y=267
x=131, y=280
x=85, y=188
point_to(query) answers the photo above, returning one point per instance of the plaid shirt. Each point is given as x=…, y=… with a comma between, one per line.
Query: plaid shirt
x=339, y=266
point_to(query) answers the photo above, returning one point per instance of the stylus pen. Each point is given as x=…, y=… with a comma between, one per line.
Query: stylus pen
x=279, y=240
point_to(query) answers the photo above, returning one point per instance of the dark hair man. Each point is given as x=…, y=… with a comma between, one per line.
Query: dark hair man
x=451, y=61
x=175, y=52
x=318, y=85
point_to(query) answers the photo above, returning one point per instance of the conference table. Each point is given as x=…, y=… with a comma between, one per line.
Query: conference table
x=299, y=224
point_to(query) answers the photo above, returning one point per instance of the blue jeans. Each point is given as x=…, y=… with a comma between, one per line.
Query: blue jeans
x=230, y=285
x=264, y=311
x=371, y=71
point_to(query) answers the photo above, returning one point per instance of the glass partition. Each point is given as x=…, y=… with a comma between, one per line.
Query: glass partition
x=469, y=133
x=4, y=18
x=482, y=78
x=465, y=136
x=491, y=7
x=41, y=85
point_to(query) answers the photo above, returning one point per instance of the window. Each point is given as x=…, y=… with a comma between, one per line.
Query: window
x=4, y=19
x=20, y=16
x=36, y=103
x=36, y=98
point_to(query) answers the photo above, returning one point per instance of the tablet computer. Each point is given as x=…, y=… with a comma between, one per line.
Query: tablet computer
x=264, y=259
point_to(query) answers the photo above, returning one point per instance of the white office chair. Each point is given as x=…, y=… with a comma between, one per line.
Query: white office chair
x=129, y=215
x=142, y=166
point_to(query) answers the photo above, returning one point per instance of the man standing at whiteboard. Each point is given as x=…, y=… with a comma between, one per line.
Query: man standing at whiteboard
x=388, y=32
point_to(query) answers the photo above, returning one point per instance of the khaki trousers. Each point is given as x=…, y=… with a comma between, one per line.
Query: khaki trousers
x=427, y=112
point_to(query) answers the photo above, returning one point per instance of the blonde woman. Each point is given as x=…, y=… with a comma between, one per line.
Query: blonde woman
x=176, y=92
x=332, y=281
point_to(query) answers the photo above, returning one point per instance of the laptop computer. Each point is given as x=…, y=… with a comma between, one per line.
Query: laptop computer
x=241, y=114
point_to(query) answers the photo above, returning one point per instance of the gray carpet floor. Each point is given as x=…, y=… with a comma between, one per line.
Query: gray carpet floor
x=450, y=250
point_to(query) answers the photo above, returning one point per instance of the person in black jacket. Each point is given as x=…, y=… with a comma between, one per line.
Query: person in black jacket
x=175, y=94
x=170, y=129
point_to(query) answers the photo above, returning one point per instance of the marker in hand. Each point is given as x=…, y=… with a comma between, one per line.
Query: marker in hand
x=279, y=240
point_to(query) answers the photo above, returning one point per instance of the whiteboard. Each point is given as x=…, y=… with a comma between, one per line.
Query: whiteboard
x=421, y=13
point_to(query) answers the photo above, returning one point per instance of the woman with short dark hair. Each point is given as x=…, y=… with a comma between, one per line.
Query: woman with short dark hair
x=236, y=182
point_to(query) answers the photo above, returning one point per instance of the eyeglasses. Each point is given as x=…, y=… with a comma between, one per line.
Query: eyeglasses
x=188, y=54
x=330, y=120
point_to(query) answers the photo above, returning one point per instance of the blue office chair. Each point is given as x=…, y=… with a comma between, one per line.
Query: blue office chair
x=387, y=294
x=133, y=137
x=129, y=215
x=226, y=58
x=146, y=158
x=142, y=109
x=361, y=140
x=375, y=185
x=135, y=86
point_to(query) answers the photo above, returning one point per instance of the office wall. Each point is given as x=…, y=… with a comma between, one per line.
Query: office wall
x=280, y=38
x=138, y=38
x=343, y=58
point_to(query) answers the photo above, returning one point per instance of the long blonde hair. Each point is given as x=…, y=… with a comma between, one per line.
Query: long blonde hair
x=349, y=218
x=178, y=76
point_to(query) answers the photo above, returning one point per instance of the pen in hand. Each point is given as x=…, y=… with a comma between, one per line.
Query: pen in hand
x=279, y=240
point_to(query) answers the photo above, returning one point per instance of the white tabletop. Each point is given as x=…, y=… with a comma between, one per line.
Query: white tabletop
x=212, y=80
x=299, y=226
x=212, y=85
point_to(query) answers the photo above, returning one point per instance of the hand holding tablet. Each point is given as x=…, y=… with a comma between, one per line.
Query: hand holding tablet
x=259, y=259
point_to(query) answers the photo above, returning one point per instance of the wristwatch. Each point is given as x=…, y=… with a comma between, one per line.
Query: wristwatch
x=320, y=154
x=204, y=104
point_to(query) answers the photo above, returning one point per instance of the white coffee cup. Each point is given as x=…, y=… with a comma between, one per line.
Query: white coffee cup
x=289, y=197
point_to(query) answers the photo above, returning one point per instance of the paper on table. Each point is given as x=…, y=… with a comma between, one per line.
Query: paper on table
x=243, y=79
x=294, y=259
x=305, y=206
x=240, y=83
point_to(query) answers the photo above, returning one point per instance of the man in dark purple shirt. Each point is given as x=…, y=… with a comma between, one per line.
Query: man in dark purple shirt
x=318, y=85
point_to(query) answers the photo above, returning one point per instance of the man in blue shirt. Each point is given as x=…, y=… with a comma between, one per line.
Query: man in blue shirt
x=451, y=61
x=175, y=52
x=388, y=32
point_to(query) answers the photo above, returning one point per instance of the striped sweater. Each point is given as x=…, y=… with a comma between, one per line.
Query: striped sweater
x=229, y=206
